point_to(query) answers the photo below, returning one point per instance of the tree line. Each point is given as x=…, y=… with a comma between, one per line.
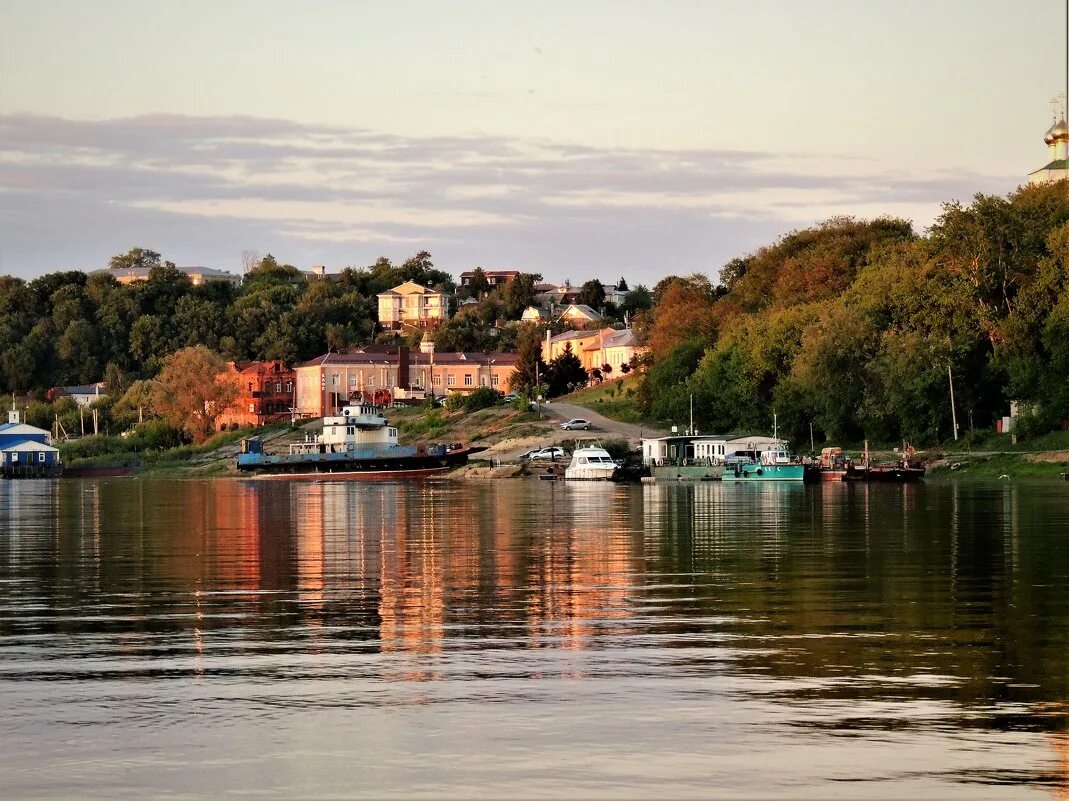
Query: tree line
x=75, y=328
x=855, y=327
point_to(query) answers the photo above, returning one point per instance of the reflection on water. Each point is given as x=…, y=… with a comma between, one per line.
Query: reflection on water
x=534, y=638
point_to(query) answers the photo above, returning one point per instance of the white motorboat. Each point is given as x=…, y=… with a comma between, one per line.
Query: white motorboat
x=591, y=464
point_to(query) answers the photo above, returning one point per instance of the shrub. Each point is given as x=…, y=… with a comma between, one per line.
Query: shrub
x=482, y=398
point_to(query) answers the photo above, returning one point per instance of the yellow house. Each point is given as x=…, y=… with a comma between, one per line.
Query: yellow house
x=412, y=304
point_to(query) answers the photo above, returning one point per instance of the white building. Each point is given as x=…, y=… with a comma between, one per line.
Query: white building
x=1057, y=141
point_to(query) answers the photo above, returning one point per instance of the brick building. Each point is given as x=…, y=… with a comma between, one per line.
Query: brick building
x=266, y=393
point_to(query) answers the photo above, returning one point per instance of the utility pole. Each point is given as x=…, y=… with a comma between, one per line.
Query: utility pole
x=953, y=411
x=538, y=395
x=691, y=431
x=812, y=446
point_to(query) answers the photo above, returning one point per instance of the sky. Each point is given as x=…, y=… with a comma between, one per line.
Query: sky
x=575, y=139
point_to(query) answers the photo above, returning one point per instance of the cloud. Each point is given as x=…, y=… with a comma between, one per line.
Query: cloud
x=201, y=189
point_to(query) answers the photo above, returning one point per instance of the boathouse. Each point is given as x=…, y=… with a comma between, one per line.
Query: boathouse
x=26, y=451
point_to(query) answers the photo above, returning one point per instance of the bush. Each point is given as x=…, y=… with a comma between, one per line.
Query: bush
x=454, y=402
x=482, y=398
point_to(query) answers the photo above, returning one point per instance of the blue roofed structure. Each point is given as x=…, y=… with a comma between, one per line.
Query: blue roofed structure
x=26, y=451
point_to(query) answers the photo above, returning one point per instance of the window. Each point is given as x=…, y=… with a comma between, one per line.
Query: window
x=438, y=380
x=289, y=386
x=350, y=430
x=15, y=458
x=371, y=381
x=252, y=408
x=41, y=456
x=467, y=379
x=451, y=379
x=493, y=380
x=250, y=386
x=482, y=381
x=278, y=386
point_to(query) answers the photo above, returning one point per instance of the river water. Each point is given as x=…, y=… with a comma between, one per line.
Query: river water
x=204, y=638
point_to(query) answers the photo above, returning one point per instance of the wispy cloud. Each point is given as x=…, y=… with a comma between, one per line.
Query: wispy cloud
x=200, y=189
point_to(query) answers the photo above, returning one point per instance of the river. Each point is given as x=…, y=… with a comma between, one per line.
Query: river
x=187, y=639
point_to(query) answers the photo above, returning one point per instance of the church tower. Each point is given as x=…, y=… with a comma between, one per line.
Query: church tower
x=1057, y=141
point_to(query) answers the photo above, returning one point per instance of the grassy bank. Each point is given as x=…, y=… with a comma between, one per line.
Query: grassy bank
x=615, y=399
x=212, y=457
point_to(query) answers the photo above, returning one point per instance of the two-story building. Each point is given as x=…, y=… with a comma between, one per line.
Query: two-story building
x=412, y=304
x=266, y=393
x=493, y=277
x=382, y=375
x=595, y=348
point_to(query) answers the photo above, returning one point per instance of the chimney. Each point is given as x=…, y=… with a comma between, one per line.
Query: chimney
x=402, y=368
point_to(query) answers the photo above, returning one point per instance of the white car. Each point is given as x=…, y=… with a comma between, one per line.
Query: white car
x=577, y=424
x=549, y=453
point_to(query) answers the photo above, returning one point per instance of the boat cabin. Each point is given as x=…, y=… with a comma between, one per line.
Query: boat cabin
x=684, y=449
x=358, y=427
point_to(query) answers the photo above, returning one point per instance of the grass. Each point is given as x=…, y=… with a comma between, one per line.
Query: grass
x=992, y=467
x=615, y=399
x=179, y=459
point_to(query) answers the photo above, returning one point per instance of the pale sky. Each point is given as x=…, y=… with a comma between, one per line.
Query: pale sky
x=576, y=139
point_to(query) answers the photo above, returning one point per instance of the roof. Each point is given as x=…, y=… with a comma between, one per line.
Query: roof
x=569, y=335
x=29, y=445
x=142, y=272
x=84, y=389
x=583, y=310
x=623, y=338
x=470, y=273
x=414, y=358
x=1057, y=164
x=22, y=428
x=408, y=288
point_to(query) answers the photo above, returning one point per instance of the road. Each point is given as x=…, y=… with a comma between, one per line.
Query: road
x=558, y=410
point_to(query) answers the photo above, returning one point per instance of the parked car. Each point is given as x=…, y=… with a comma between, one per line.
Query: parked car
x=510, y=397
x=578, y=424
x=549, y=453
x=530, y=454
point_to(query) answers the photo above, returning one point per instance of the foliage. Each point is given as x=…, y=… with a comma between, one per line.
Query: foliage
x=851, y=327
x=188, y=394
x=591, y=294
x=564, y=373
x=530, y=369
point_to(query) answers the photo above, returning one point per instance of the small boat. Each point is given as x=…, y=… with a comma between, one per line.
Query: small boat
x=591, y=464
x=358, y=443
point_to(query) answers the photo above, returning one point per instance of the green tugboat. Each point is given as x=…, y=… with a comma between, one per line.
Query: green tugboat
x=775, y=463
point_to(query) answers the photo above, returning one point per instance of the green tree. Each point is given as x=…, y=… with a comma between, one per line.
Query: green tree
x=565, y=373
x=592, y=294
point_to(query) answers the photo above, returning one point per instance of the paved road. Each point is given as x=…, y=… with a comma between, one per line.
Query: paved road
x=566, y=411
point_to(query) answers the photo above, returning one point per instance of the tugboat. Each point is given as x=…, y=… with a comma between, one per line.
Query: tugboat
x=776, y=463
x=358, y=443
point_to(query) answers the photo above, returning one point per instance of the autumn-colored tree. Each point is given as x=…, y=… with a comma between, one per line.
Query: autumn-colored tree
x=189, y=394
x=684, y=311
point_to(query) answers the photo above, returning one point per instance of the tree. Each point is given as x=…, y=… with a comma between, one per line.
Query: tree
x=135, y=257
x=591, y=294
x=637, y=300
x=565, y=373
x=530, y=369
x=478, y=285
x=189, y=393
x=622, y=285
